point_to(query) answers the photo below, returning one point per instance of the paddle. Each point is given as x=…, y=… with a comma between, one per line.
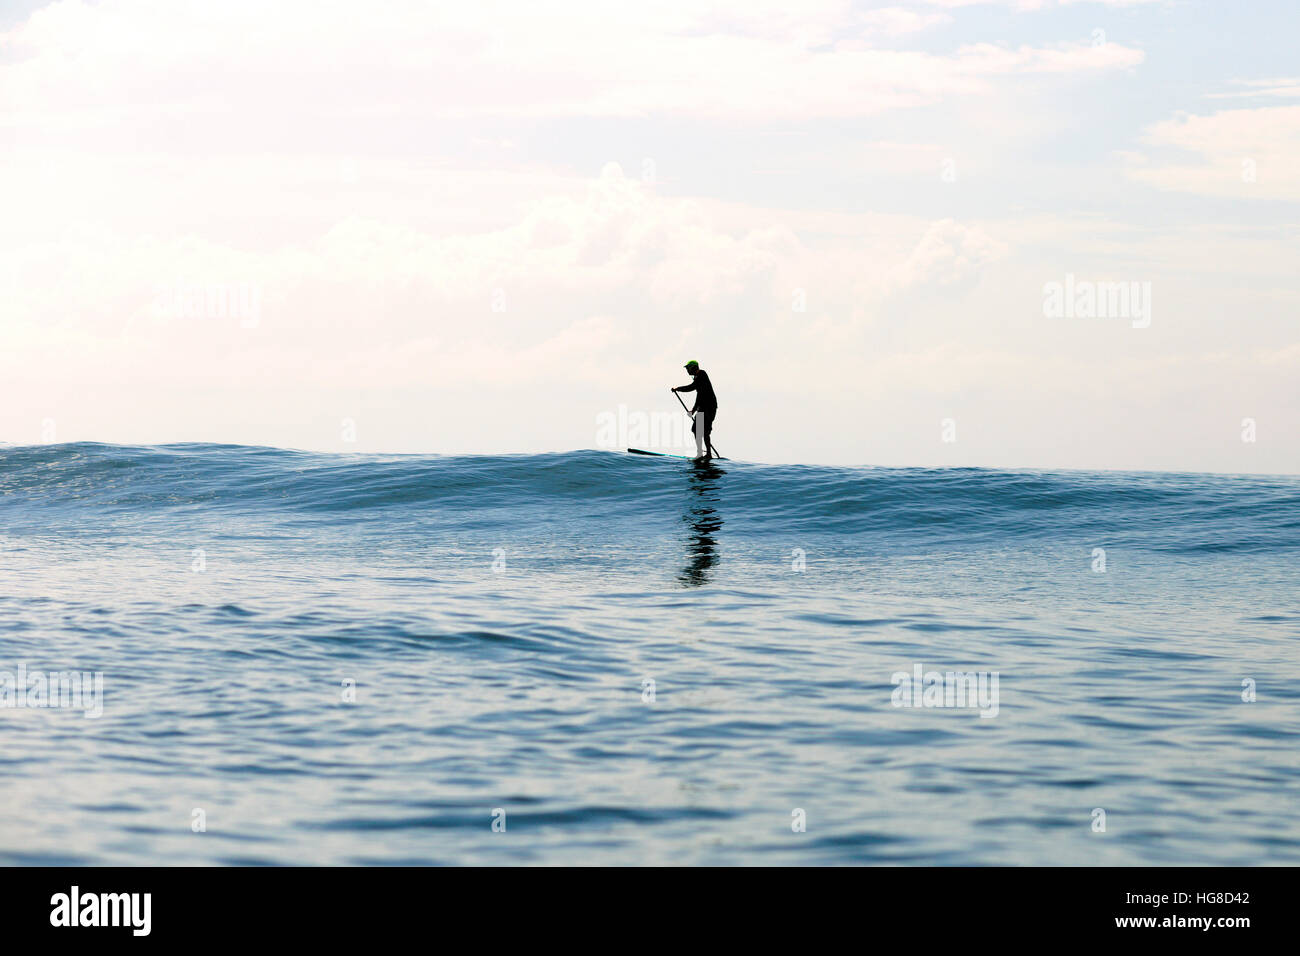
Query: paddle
x=688, y=412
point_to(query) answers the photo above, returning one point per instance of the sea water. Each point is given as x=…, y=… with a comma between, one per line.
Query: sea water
x=597, y=658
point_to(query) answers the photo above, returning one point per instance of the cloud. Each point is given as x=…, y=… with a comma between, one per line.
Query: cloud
x=380, y=304
x=947, y=254
x=1241, y=154
x=234, y=73
x=1281, y=87
x=900, y=21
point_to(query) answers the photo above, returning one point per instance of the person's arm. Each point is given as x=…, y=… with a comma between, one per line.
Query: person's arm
x=687, y=388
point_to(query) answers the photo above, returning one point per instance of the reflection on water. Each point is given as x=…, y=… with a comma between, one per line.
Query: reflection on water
x=703, y=520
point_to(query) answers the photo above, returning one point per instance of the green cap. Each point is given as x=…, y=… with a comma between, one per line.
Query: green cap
x=691, y=364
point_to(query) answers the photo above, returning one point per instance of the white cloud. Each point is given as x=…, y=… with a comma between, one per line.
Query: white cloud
x=1279, y=87
x=234, y=72
x=948, y=253
x=1243, y=154
x=355, y=301
x=900, y=21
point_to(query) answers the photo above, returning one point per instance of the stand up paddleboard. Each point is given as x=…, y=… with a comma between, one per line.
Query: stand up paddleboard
x=659, y=454
x=691, y=416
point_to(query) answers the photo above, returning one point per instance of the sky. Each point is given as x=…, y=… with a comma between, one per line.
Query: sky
x=944, y=233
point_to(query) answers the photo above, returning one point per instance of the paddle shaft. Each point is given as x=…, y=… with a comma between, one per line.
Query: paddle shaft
x=688, y=412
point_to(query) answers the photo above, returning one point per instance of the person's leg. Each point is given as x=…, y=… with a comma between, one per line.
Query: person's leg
x=708, y=433
x=701, y=443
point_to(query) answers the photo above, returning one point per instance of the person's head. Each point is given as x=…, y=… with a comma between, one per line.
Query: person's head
x=692, y=366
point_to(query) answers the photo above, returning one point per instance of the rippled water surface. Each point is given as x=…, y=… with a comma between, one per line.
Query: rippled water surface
x=502, y=618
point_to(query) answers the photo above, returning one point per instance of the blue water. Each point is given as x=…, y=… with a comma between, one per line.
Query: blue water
x=501, y=618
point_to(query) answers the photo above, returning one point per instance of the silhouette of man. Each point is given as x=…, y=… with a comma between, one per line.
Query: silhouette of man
x=706, y=408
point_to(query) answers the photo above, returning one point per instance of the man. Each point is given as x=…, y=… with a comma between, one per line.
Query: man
x=706, y=407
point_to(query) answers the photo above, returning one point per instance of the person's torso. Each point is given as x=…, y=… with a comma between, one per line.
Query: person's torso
x=704, y=389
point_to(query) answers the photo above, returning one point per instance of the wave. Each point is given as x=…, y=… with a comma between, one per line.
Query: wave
x=959, y=506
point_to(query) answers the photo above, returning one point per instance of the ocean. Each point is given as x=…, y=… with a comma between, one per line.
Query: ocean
x=599, y=658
